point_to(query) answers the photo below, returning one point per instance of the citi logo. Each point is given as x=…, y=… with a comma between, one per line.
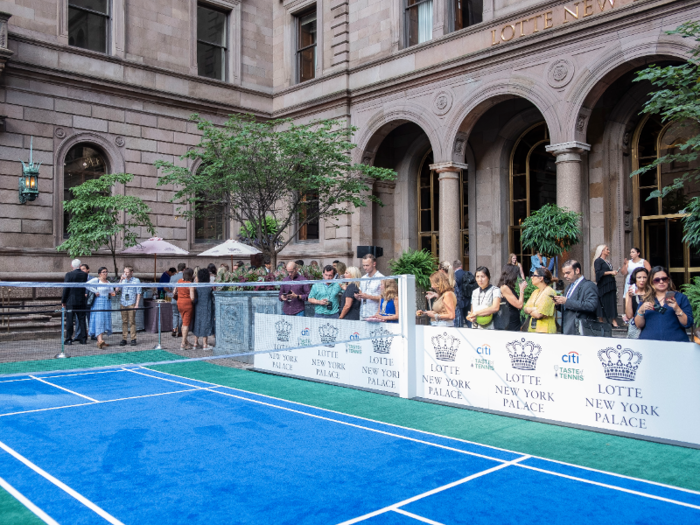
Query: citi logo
x=483, y=350
x=305, y=331
x=571, y=357
x=355, y=336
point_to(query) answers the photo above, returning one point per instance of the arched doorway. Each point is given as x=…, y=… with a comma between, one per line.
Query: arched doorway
x=429, y=210
x=83, y=162
x=533, y=183
x=658, y=228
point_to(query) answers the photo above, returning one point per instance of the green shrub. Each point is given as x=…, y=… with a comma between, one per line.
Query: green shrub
x=692, y=290
x=422, y=264
x=552, y=230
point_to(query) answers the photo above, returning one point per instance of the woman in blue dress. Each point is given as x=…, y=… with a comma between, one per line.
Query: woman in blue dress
x=101, y=321
x=665, y=314
x=388, y=305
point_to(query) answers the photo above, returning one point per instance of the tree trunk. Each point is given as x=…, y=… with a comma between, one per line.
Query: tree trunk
x=114, y=260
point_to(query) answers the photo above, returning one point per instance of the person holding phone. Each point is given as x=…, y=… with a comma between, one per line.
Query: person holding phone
x=665, y=314
x=293, y=296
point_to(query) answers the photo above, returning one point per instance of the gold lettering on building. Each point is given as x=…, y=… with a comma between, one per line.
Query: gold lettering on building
x=560, y=15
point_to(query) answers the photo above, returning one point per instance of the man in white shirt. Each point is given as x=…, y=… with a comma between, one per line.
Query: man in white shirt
x=369, y=290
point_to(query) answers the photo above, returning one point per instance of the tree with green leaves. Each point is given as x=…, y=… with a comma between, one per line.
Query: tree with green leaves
x=94, y=213
x=551, y=230
x=295, y=174
x=678, y=100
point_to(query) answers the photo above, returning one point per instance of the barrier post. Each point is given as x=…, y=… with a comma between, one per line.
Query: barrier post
x=407, y=325
x=62, y=354
x=159, y=347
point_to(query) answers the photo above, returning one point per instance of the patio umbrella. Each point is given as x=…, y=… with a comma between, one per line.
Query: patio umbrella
x=156, y=246
x=230, y=248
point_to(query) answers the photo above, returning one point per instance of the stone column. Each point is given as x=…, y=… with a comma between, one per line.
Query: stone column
x=568, y=163
x=5, y=53
x=450, y=212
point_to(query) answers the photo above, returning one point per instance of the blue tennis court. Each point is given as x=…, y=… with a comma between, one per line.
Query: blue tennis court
x=136, y=446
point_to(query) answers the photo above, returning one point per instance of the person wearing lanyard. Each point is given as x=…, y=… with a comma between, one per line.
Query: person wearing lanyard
x=129, y=300
x=580, y=300
x=326, y=295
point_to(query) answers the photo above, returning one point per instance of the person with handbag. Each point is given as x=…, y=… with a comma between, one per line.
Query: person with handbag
x=508, y=317
x=486, y=301
x=443, y=311
x=100, y=316
x=607, y=287
x=540, y=307
x=638, y=287
x=579, y=304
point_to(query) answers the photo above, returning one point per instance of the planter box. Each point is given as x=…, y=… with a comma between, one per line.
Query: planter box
x=235, y=320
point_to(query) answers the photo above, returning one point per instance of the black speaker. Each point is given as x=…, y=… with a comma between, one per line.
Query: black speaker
x=377, y=251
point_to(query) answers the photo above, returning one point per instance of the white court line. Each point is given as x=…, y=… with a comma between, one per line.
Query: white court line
x=65, y=389
x=621, y=489
x=80, y=374
x=622, y=476
x=395, y=506
x=82, y=499
x=24, y=501
x=15, y=380
x=169, y=380
x=417, y=517
x=360, y=426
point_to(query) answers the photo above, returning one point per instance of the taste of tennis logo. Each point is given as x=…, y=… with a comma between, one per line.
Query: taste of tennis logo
x=620, y=364
x=328, y=334
x=304, y=340
x=523, y=354
x=445, y=347
x=381, y=340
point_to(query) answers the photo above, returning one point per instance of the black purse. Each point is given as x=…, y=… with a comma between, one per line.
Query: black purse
x=591, y=328
x=90, y=298
x=502, y=318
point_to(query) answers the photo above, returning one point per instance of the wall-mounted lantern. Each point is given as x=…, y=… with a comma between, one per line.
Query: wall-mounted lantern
x=29, y=180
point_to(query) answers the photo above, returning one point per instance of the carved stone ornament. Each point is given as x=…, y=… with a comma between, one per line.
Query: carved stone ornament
x=580, y=123
x=442, y=102
x=459, y=146
x=60, y=133
x=367, y=161
x=560, y=72
x=119, y=141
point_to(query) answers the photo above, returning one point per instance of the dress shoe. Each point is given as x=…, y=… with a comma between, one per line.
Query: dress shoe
x=133, y=342
x=123, y=343
x=83, y=341
x=68, y=342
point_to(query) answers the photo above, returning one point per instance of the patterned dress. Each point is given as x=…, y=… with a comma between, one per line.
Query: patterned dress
x=100, y=322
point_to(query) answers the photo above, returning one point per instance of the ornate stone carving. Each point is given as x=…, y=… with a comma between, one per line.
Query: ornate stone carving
x=442, y=102
x=367, y=161
x=580, y=123
x=560, y=72
x=459, y=147
x=60, y=133
x=119, y=141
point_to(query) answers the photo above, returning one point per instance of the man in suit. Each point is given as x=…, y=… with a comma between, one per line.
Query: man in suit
x=463, y=303
x=580, y=301
x=74, y=299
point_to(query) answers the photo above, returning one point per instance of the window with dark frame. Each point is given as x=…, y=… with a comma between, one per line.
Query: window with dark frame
x=309, y=208
x=210, y=222
x=466, y=13
x=306, y=45
x=418, y=19
x=83, y=162
x=88, y=24
x=211, y=43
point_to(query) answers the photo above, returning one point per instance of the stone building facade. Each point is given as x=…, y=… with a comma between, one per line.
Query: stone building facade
x=486, y=109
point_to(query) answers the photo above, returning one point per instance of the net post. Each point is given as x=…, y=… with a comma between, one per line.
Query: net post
x=159, y=347
x=407, y=325
x=62, y=354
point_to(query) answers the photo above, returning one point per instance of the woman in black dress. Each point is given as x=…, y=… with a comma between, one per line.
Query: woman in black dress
x=513, y=301
x=203, y=326
x=607, y=287
x=350, y=307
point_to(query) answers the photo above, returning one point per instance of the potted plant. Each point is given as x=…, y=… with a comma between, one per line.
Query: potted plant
x=419, y=263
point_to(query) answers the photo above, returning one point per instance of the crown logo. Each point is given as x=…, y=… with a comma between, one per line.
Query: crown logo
x=445, y=346
x=381, y=340
x=283, y=329
x=621, y=365
x=328, y=334
x=523, y=354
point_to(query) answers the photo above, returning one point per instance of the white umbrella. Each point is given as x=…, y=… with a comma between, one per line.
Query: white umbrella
x=230, y=248
x=156, y=246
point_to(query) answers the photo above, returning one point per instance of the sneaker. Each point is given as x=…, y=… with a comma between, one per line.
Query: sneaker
x=123, y=343
x=133, y=342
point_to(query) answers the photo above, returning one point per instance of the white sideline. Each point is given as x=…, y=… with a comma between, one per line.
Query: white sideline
x=24, y=501
x=442, y=488
x=82, y=499
x=417, y=517
x=65, y=389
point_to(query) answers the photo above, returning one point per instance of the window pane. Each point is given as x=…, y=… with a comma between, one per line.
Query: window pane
x=426, y=243
x=209, y=223
x=419, y=23
x=82, y=163
x=307, y=64
x=519, y=187
x=307, y=30
x=650, y=207
x=211, y=26
x=211, y=61
x=310, y=231
x=87, y=30
x=467, y=13
x=101, y=6
x=543, y=178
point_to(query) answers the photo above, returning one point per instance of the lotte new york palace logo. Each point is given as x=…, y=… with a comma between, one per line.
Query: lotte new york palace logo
x=283, y=329
x=445, y=347
x=523, y=354
x=620, y=364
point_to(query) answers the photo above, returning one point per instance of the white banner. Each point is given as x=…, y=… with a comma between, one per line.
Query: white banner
x=648, y=388
x=371, y=359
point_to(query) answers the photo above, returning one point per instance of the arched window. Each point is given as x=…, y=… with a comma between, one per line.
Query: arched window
x=533, y=183
x=83, y=162
x=429, y=210
x=658, y=228
x=210, y=219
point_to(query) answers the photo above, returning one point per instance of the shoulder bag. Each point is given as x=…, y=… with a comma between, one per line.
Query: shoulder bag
x=485, y=320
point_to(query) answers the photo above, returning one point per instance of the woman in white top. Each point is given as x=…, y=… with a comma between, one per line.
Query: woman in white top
x=630, y=265
x=486, y=300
